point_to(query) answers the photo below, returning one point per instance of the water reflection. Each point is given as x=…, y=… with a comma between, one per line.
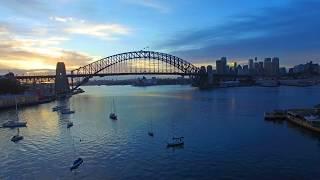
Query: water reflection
x=224, y=131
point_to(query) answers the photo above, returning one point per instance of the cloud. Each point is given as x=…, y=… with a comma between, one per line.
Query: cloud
x=34, y=54
x=103, y=31
x=153, y=4
x=290, y=32
x=61, y=19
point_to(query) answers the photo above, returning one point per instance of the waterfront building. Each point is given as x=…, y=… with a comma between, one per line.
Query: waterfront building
x=298, y=68
x=282, y=71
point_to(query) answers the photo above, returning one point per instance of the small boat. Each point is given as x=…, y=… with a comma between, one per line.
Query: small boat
x=17, y=137
x=70, y=124
x=13, y=124
x=67, y=111
x=150, y=134
x=76, y=164
x=113, y=114
x=176, y=142
x=57, y=108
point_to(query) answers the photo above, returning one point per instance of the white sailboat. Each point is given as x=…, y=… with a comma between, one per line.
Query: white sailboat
x=113, y=114
x=14, y=123
x=175, y=141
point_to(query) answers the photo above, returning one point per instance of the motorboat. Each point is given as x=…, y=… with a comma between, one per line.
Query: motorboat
x=176, y=142
x=76, y=164
x=70, y=124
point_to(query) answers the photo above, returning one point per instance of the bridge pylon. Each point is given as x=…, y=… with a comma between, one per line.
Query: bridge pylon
x=61, y=81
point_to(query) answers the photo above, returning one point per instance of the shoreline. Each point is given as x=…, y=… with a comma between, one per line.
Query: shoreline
x=28, y=104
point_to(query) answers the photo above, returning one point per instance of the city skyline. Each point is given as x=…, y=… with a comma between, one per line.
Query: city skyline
x=41, y=33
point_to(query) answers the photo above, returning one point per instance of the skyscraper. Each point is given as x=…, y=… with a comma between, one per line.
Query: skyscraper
x=267, y=67
x=210, y=74
x=275, y=66
x=250, y=64
x=221, y=65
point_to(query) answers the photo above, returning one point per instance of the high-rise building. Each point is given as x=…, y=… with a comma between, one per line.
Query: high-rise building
x=251, y=64
x=275, y=66
x=221, y=65
x=210, y=74
x=267, y=67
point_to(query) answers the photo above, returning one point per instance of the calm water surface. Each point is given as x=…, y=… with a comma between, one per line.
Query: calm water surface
x=225, y=135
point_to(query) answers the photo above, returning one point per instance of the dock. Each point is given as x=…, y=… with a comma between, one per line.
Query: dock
x=305, y=118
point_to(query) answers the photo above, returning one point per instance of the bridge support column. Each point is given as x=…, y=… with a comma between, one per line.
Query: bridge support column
x=61, y=81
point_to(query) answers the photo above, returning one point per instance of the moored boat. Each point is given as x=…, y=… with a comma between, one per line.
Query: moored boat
x=14, y=124
x=76, y=164
x=176, y=142
x=70, y=124
x=67, y=111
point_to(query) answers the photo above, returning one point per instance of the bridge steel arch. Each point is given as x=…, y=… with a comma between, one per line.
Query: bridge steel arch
x=93, y=69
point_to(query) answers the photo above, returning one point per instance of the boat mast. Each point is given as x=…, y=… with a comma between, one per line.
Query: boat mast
x=114, y=107
x=17, y=115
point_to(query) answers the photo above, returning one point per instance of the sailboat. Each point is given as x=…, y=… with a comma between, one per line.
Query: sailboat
x=76, y=164
x=16, y=122
x=70, y=124
x=113, y=114
x=175, y=141
x=150, y=132
x=17, y=137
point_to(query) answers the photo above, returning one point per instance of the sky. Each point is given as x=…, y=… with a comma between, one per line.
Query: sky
x=36, y=34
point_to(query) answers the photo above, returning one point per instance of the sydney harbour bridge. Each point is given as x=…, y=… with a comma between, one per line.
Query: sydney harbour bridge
x=129, y=63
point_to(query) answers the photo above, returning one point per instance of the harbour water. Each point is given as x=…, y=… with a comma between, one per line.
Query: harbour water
x=225, y=135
